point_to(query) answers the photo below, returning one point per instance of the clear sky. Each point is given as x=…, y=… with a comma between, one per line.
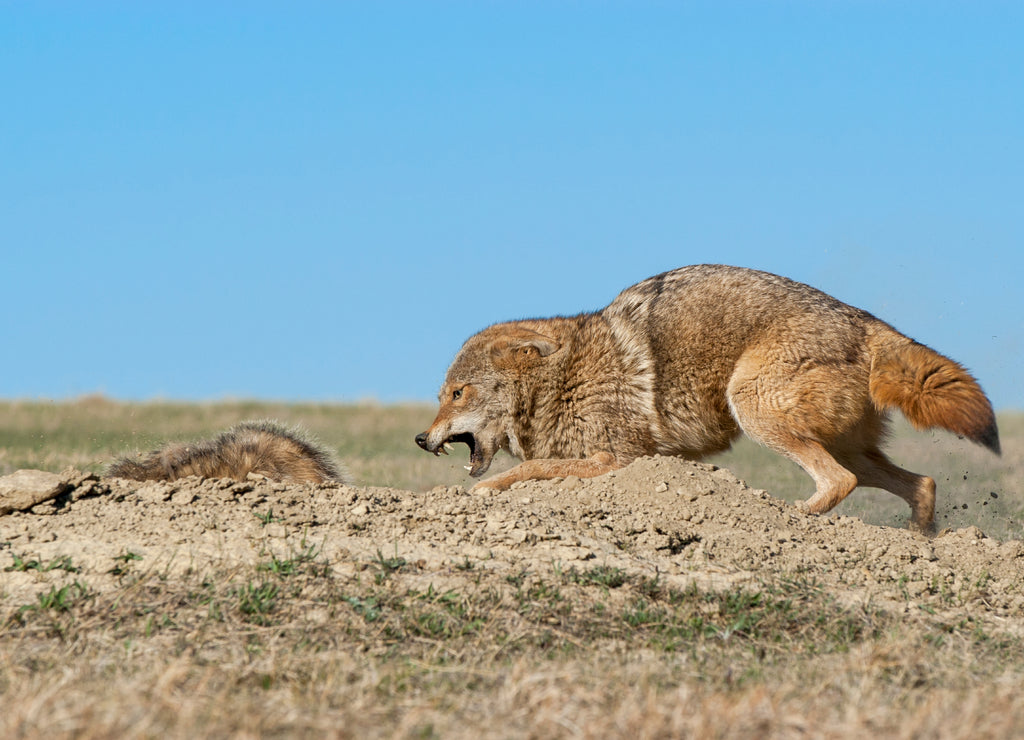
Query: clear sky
x=321, y=201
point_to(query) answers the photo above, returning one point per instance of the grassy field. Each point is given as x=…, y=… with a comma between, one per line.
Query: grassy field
x=287, y=649
x=291, y=647
x=374, y=441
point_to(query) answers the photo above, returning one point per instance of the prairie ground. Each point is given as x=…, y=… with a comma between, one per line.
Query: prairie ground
x=667, y=599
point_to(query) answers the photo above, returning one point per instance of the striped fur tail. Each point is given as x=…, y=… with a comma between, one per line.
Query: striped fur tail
x=933, y=391
x=260, y=447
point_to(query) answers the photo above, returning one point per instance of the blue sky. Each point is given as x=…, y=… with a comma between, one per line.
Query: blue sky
x=321, y=201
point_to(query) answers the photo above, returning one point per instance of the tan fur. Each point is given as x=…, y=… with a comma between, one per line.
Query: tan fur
x=259, y=447
x=932, y=391
x=682, y=363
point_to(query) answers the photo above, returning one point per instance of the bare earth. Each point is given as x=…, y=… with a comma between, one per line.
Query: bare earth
x=164, y=645
x=679, y=521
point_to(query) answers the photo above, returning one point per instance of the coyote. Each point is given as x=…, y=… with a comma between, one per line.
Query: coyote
x=681, y=363
x=259, y=447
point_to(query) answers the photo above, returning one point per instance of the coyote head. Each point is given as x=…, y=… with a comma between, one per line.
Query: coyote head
x=481, y=393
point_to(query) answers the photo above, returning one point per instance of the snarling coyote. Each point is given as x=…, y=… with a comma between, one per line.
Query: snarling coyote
x=683, y=362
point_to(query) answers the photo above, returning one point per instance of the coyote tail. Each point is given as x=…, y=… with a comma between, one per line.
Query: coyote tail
x=261, y=447
x=932, y=391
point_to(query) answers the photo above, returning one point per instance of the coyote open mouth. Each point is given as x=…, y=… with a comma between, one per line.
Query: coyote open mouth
x=478, y=460
x=477, y=466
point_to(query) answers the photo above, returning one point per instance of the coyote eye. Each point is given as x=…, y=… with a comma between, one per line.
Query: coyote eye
x=456, y=395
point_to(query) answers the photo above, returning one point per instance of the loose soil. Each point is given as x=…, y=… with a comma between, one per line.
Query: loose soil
x=681, y=522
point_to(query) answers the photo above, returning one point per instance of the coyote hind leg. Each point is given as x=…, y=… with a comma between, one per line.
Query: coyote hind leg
x=774, y=409
x=843, y=460
x=874, y=470
x=832, y=481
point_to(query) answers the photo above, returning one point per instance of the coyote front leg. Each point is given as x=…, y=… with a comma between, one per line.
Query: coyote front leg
x=545, y=469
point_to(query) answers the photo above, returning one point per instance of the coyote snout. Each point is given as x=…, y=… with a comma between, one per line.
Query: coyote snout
x=683, y=362
x=463, y=418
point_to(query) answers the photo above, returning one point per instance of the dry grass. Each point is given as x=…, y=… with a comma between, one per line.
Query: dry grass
x=289, y=649
x=292, y=648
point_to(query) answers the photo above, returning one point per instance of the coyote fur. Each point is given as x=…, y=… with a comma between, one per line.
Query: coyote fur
x=258, y=447
x=683, y=362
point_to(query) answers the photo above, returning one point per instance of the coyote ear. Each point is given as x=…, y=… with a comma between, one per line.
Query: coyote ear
x=521, y=348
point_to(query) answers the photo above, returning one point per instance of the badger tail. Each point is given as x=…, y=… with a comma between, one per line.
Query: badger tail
x=259, y=447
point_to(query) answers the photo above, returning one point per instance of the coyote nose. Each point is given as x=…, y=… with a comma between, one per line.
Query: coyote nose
x=421, y=440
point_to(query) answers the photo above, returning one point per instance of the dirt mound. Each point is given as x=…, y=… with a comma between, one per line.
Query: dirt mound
x=663, y=518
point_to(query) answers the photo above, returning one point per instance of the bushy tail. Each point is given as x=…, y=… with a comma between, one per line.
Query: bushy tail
x=932, y=391
x=147, y=467
x=261, y=447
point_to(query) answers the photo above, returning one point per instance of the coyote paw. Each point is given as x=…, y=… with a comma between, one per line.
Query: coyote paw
x=805, y=509
x=928, y=530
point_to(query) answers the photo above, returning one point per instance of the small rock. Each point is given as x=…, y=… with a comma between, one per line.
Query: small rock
x=973, y=533
x=23, y=489
x=182, y=498
x=76, y=478
x=518, y=536
x=155, y=493
x=44, y=509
